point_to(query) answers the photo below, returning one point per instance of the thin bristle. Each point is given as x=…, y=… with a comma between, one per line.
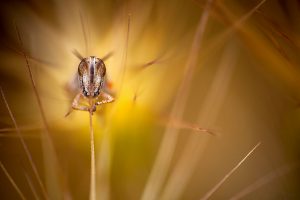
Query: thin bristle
x=32, y=188
x=208, y=113
x=27, y=152
x=50, y=146
x=285, y=72
x=83, y=27
x=167, y=146
x=211, y=47
x=25, y=128
x=281, y=171
x=30, y=57
x=33, y=82
x=12, y=181
x=280, y=31
x=3, y=135
x=124, y=58
x=218, y=185
x=187, y=126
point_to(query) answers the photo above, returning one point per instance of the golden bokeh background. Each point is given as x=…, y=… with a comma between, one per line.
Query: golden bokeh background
x=228, y=66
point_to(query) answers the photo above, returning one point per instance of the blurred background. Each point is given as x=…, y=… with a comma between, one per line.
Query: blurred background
x=176, y=67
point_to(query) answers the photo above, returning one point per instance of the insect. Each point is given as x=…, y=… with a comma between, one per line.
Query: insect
x=91, y=78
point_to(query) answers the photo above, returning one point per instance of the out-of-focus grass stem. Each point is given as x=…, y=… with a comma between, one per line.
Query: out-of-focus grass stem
x=50, y=147
x=24, y=145
x=209, y=111
x=218, y=185
x=167, y=146
x=281, y=171
x=32, y=188
x=12, y=181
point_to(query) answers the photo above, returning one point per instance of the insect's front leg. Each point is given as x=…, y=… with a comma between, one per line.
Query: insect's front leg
x=76, y=104
x=106, y=99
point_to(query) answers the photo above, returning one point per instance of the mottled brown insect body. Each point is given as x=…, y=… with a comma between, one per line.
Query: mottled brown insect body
x=91, y=75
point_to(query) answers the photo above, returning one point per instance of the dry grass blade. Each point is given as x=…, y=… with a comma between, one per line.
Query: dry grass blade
x=208, y=113
x=33, y=83
x=93, y=164
x=12, y=181
x=3, y=135
x=84, y=33
x=30, y=57
x=187, y=126
x=264, y=180
x=52, y=165
x=280, y=31
x=218, y=185
x=24, y=128
x=221, y=38
x=166, y=150
x=124, y=58
x=286, y=73
x=32, y=188
x=24, y=145
x=250, y=13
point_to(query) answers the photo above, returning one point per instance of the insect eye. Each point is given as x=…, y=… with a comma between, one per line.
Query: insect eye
x=82, y=68
x=104, y=71
x=101, y=68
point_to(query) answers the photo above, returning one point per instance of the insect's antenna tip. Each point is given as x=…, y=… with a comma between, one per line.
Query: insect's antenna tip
x=77, y=54
x=107, y=56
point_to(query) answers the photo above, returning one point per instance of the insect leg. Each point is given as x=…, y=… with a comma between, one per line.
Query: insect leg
x=76, y=105
x=106, y=99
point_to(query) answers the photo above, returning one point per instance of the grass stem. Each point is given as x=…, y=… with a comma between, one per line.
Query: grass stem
x=218, y=185
x=93, y=164
x=12, y=181
x=25, y=147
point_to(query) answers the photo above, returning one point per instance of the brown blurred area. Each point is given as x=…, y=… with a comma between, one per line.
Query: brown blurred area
x=245, y=88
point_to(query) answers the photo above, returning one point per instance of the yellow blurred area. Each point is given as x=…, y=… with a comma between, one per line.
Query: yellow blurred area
x=197, y=84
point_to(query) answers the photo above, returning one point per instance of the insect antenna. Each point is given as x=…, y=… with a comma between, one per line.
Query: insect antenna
x=107, y=56
x=77, y=54
x=84, y=33
x=124, y=59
